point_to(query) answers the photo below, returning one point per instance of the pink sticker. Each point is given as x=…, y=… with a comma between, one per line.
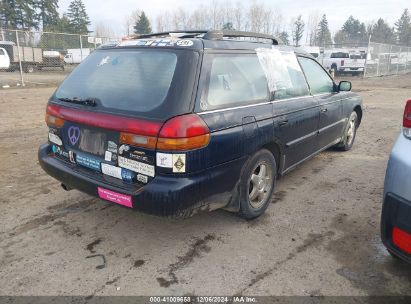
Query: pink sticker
x=115, y=197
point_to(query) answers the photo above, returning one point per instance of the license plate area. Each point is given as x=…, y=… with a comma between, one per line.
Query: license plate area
x=92, y=141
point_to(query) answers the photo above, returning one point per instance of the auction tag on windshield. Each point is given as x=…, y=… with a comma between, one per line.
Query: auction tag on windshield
x=111, y=170
x=136, y=166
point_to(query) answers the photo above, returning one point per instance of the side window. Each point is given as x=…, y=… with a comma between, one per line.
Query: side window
x=237, y=79
x=285, y=78
x=320, y=82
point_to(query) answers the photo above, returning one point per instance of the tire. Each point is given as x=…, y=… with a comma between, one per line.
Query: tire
x=334, y=68
x=350, y=133
x=257, y=184
x=29, y=68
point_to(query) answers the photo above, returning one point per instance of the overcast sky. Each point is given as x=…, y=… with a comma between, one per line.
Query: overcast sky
x=114, y=12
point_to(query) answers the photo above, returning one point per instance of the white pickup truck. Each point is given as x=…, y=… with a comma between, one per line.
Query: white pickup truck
x=4, y=59
x=343, y=61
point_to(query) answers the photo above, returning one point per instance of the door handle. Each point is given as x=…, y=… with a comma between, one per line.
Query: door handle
x=323, y=110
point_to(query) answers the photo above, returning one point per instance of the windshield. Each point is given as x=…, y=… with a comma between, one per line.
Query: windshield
x=133, y=80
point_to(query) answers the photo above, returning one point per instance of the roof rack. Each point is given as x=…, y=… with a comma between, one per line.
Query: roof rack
x=220, y=34
x=184, y=34
x=213, y=35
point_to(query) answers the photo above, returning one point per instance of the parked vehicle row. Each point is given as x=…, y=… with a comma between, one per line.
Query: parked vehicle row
x=33, y=58
x=175, y=125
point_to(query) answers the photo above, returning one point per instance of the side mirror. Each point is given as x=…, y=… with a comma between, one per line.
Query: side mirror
x=344, y=86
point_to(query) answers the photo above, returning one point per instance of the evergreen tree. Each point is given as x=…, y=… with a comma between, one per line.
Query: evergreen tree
x=323, y=35
x=285, y=38
x=228, y=26
x=47, y=13
x=298, y=30
x=77, y=15
x=403, y=29
x=352, y=32
x=18, y=14
x=61, y=25
x=142, y=25
x=381, y=32
x=341, y=37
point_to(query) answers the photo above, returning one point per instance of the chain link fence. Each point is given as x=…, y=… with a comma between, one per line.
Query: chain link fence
x=387, y=59
x=42, y=58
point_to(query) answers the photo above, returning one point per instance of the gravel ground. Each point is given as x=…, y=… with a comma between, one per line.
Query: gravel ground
x=320, y=235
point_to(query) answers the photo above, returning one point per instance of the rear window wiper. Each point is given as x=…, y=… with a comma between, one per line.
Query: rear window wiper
x=92, y=102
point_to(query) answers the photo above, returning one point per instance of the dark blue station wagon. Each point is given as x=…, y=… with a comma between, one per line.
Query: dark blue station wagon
x=176, y=123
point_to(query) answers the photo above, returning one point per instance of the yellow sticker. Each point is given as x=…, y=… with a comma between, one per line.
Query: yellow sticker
x=179, y=163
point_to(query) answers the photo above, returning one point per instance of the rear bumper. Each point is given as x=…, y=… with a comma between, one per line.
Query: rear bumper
x=350, y=69
x=396, y=212
x=165, y=195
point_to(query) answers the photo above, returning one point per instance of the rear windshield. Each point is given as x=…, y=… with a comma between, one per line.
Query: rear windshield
x=134, y=81
x=356, y=56
x=340, y=55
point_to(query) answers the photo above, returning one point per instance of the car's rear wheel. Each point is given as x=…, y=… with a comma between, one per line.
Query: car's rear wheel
x=349, y=133
x=257, y=184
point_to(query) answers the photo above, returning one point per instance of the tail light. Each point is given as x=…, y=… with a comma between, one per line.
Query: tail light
x=53, y=121
x=186, y=132
x=401, y=239
x=53, y=118
x=342, y=62
x=407, y=120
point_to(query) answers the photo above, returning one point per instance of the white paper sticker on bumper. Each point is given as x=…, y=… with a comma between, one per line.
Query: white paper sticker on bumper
x=179, y=163
x=164, y=160
x=55, y=139
x=111, y=170
x=136, y=166
x=108, y=155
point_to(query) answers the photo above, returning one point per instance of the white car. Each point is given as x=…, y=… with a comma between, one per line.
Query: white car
x=4, y=59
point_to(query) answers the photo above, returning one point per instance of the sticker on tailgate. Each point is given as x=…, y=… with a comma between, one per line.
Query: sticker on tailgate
x=88, y=162
x=111, y=170
x=136, y=166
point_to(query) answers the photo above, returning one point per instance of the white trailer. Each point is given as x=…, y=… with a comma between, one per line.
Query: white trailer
x=75, y=56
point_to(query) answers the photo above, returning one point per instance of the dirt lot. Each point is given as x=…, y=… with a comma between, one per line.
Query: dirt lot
x=45, y=77
x=320, y=236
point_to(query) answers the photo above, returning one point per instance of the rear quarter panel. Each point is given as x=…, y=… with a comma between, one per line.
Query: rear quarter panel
x=398, y=175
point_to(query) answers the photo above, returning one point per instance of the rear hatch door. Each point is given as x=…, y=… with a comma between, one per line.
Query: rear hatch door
x=114, y=105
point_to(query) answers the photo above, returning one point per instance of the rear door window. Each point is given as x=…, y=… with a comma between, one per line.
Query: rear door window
x=233, y=80
x=318, y=79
